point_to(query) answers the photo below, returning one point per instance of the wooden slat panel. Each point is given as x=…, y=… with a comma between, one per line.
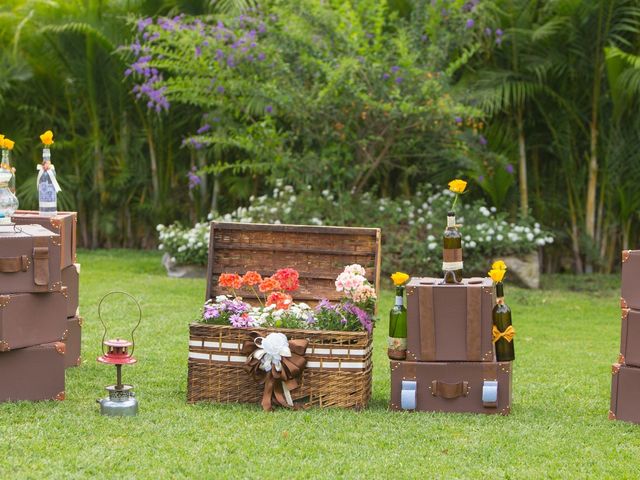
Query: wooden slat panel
x=318, y=253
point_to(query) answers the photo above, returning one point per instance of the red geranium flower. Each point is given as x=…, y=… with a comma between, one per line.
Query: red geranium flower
x=288, y=279
x=281, y=300
x=251, y=278
x=269, y=285
x=230, y=280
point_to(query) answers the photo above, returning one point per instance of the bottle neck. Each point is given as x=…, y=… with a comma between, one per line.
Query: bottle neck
x=46, y=155
x=500, y=293
x=399, y=296
x=5, y=155
x=451, y=221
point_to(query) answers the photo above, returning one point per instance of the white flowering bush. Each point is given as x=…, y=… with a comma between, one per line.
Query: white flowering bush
x=411, y=228
x=185, y=245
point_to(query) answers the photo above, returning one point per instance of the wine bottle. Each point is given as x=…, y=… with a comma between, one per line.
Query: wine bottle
x=397, y=345
x=503, y=331
x=47, y=186
x=452, y=251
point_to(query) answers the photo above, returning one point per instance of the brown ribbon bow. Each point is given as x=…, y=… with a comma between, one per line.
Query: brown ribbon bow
x=275, y=381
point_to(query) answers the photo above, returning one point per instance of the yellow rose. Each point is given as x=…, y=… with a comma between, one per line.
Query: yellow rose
x=399, y=278
x=457, y=185
x=497, y=275
x=47, y=137
x=499, y=265
x=1, y=138
x=8, y=144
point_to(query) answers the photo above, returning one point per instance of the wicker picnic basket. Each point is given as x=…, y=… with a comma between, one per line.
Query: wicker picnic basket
x=339, y=364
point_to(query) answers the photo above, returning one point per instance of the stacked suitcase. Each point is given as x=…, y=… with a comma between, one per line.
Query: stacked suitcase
x=39, y=325
x=625, y=384
x=450, y=364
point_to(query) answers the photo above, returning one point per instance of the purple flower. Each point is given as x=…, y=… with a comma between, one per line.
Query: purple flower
x=444, y=12
x=424, y=38
x=395, y=68
x=509, y=168
x=144, y=23
x=470, y=23
x=487, y=31
x=363, y=317
x=458, y=119
x=211, y=311
x=499, y=32
x=385, y=76
x=268, y=109
x=261, y=56
x=481, y=178
x=499, y=41
x=482, y=140
x=220, y=89
x=204, y=128
x=239, y=320
x=198, y=51
x=324, y=303
x=399, y=80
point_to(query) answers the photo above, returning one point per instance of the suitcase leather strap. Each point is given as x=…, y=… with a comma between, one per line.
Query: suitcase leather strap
x=427, y=324
x=474, y=312
x=41, y=261
x=449, y=390
x=14, y=264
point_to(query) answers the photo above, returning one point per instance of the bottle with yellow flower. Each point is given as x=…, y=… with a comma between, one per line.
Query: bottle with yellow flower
x=48, y=186
x=8, y=200
x=452, y=263
x=397, y=344
x=503, y=331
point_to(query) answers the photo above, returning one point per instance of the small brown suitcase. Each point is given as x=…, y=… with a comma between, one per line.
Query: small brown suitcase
x=630, y=338
x=73, y=342
x=71, y=280
x=474, y=387
x=450, y=322
x=28, y=319
x=630, y=291
x=29, y=259
x=625, y=393
x=32, y=373
x=63, y=223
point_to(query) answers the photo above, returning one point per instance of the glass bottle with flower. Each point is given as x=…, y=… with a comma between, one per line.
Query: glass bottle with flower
x=8, y=200
x=503, y=331
x=452, y=264
x=47, y=183
x=397, y=343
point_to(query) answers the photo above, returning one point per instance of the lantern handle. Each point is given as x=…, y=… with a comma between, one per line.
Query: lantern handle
x=104, y=335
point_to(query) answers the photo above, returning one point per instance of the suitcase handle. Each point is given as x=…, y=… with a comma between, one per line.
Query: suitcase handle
x=449, y=390
x=14, y=264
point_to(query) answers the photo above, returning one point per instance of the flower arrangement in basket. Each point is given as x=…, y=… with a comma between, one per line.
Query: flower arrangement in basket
x=354, y=312
x=281, y=350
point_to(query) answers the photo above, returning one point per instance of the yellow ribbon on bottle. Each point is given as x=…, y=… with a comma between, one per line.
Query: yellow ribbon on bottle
x=508, y=334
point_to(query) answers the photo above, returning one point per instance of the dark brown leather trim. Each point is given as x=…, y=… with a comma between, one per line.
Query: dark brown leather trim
x=14, y=264
x=449, y=390
x=474, y=312
x=427, y=324
x=41, y=265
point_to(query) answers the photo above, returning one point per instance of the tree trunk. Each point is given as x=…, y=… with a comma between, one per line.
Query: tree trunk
x=154, y=165
x=215, y=193
x=575, y=235
x=522, y=166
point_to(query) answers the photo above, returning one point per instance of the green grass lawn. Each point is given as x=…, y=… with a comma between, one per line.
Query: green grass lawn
x=568, y=337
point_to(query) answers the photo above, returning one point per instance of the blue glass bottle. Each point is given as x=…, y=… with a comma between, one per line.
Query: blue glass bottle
x=47, y=186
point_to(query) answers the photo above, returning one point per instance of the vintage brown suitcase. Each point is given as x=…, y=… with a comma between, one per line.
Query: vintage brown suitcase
x=450, y=322
x=474, y=387
x=64, y=224
x=71, y=280
x=630, y=294
x=73, y=342
x=28, y=319
x=33, y=373
x=630, y=338
x=29, y=259
x=625, y=393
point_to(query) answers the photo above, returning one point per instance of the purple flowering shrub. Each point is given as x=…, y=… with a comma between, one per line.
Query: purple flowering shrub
x=345, y=315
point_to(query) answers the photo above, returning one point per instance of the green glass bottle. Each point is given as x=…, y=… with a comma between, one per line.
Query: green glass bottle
x=503, y=331
x=397, y=345
x=452, y=251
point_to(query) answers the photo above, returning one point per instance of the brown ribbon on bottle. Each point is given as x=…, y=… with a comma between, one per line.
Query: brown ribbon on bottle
x=273, y=380
x=452, y=255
